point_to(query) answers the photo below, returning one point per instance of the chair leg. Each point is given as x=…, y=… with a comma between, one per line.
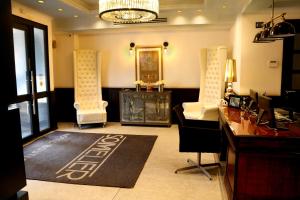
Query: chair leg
x=198, y=165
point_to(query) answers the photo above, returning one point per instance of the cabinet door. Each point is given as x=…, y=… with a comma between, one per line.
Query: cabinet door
x=132, y=107
x=157, y=108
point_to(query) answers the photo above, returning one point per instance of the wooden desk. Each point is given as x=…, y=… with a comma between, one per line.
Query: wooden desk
x=262, y=163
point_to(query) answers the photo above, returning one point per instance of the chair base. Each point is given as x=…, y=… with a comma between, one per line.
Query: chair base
x=198, y=165
x=91, y=125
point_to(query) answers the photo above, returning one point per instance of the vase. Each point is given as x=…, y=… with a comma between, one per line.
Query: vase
x=149, y=88
x=161, y=88
x=138, y=87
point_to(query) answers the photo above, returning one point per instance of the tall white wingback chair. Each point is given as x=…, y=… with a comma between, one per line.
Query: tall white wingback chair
x=90, y=108
x=212, y=85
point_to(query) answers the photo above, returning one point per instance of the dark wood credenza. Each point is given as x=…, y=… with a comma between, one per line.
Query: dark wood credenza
x=145, y=108
x=262, y=163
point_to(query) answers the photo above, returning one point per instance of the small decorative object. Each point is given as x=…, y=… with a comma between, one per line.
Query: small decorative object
x=234, y=101
x=149, y=87
x=161, y=88
x=160, y=85
x=253, y=117
x=138, y=85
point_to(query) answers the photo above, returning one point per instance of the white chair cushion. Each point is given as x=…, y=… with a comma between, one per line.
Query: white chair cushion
x=91, y=116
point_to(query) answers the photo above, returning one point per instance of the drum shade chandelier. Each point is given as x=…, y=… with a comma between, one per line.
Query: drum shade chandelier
x=272, y=31
x=128, y=11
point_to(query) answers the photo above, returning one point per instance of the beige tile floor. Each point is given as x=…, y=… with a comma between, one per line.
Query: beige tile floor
x=157, y=181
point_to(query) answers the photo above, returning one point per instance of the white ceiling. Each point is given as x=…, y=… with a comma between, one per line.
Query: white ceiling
x=216, y=13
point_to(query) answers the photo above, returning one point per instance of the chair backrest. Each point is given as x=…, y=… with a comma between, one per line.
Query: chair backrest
x=180, y=116
x=87, y=78
x=212, y=75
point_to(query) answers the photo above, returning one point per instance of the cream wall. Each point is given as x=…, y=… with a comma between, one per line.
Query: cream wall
x=33, y=15
x=252, y=59
x=180, y=63
x=63, y=60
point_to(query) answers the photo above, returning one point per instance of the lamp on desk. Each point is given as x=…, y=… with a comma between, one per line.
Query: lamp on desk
x=230, y=76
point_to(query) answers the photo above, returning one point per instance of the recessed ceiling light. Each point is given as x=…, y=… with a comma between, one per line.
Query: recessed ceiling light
x=76, y=16
x=41, y=1
x=60, y=9
x=179, y=11
x=199, y=10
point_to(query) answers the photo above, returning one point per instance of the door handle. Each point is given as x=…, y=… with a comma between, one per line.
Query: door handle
x=33, y=94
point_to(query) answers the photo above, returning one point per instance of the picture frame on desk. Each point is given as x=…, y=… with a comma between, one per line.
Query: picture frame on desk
x=234, y=101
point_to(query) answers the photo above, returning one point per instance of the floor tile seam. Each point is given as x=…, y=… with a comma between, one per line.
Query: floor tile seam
x=119, y=189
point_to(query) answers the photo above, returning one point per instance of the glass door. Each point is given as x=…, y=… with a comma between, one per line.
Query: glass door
x=24, y=85
x=40, y=78
x=31, y=67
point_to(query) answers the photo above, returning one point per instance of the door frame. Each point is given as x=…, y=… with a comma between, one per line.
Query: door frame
x=34, y=95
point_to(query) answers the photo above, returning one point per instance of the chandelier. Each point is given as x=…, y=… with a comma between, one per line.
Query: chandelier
x=272, y=31
x=128, y=11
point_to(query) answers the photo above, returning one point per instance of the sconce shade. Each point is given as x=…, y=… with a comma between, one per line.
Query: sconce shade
x=230, y=72
x=166, y=44
x=282, y=29
x=132, y=45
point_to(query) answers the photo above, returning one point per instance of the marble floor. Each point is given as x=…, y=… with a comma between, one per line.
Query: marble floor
x=157, y=181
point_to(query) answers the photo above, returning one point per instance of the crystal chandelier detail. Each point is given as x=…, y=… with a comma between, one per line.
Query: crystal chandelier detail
x=128, y=11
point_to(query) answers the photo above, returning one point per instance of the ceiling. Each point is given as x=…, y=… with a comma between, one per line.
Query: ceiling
x=206, y=13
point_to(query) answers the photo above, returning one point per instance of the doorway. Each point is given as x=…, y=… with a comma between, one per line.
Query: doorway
x=32, y=76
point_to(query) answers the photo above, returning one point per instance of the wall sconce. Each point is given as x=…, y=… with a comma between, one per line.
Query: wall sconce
x=132, y=45
x=165, y=44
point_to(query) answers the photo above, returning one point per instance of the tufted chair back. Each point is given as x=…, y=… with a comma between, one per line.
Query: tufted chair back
x=87, y=78
x=212, y=70
x=212, y=85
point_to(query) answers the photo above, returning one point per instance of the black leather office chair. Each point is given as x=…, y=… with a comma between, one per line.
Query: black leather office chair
x=198, y=136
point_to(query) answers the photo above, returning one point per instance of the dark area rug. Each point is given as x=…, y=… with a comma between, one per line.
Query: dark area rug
x=87, y=158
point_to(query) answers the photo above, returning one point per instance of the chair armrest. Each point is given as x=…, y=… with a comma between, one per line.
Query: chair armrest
x=102, y=104
x=192, y=110
x=198, y=111
x=210, y=112
x=76, y=105
x=192, y=106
